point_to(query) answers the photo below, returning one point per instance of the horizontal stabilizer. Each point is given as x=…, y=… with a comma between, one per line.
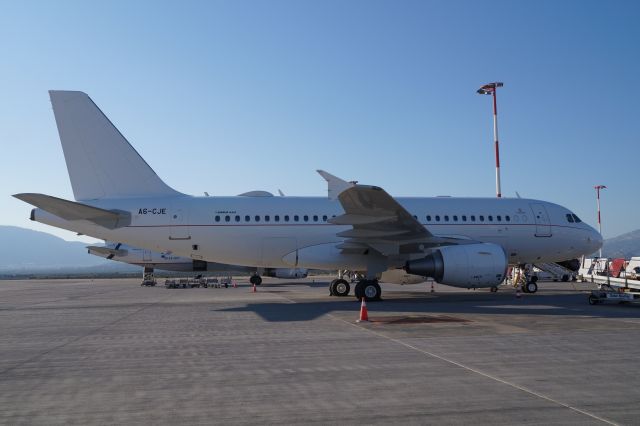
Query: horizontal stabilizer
x=106, y=252
x=70, y=210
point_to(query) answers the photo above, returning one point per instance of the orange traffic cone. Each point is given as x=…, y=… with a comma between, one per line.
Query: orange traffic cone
x=254, y=288
x=364, y=315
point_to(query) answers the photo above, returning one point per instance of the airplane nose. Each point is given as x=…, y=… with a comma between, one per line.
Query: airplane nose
x=594, y=239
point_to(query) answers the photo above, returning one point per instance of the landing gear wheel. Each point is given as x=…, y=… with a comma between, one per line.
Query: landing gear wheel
x=339, y=288
x=255, y=279
x=494, y=289
x=531, y=287
x=369, y=289
x=331, y=286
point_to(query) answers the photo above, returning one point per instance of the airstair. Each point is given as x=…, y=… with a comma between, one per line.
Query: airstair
x=559, y=272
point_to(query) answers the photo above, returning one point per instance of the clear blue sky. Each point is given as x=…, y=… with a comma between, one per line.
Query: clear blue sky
x=231, y=96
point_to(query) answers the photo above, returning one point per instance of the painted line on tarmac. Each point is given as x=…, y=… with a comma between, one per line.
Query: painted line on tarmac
x=473, y=370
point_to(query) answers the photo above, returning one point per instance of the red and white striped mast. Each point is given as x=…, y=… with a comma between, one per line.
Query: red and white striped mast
x=598, y=188
x=491, y=89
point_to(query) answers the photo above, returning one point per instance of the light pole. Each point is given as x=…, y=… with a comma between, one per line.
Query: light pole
x=598, y=188
x=491, y=89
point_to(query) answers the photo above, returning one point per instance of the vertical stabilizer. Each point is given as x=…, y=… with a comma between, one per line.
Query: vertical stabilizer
x=100, y=161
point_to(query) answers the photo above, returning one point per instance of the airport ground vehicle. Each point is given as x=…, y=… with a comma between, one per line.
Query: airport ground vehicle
x=607, y=293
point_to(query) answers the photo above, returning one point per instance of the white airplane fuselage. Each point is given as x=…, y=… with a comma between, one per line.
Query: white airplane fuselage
x=293, y=232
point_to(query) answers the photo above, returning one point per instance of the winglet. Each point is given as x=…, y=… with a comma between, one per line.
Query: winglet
x=335, y=185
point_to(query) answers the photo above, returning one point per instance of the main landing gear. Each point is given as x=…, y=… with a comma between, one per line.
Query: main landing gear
x=255, y=279
x=339, y=288
x=369, y=289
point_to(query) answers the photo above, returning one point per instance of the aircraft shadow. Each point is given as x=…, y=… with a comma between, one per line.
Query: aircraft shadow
x=399, y=303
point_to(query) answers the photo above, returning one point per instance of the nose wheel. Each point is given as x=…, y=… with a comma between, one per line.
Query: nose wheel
x=530, y=287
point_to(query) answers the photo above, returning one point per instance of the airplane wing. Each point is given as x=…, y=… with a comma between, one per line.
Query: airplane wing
x=378, y=221
x=70, y=210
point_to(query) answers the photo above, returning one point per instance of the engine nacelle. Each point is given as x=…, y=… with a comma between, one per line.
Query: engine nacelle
x=286, y=273
x=469, y=265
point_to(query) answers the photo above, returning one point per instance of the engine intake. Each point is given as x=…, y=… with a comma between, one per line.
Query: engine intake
x=470, y=265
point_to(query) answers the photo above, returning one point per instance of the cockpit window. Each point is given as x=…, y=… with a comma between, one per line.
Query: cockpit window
x=576, y=218
x=570, y=218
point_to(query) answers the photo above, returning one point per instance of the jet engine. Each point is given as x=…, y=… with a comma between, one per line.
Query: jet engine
x=470, y=265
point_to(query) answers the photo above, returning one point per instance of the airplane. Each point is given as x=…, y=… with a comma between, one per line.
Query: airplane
x=462, y=242
x=167, y=261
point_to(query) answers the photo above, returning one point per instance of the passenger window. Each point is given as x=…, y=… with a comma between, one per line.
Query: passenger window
x=286, y=218
x=315, y=218
x=324, y=218
x=464, y=218
x=446, y=218
x=455, y=218
x=237, y=218
x=437, y=218
x=296, y=218
x=247, y=218
x=415, y=217
x=490, y=218
x=266, y=218
x=257, y=218
x=306, y=218
x=570, y=218
x=276, y=218
x=576, y=218
x=507, y=218
x=481, y=218
x=227, y=218
x=217, y=218
x=428, y=218
x=499, y=219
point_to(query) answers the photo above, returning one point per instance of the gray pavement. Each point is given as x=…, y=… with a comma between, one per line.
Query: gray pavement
x=112, y=352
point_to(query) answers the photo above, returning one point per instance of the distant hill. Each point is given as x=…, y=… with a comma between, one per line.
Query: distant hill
x=25, y=250
x=625, y=245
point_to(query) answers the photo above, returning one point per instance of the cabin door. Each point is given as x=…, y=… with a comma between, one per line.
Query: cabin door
x=179, y=227
x=146, y=255
x=543, y=224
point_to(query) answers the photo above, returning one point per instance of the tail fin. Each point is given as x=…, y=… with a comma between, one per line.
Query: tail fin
x=100, y=161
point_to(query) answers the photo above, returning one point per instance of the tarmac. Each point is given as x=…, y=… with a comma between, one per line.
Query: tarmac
x=79, y=352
